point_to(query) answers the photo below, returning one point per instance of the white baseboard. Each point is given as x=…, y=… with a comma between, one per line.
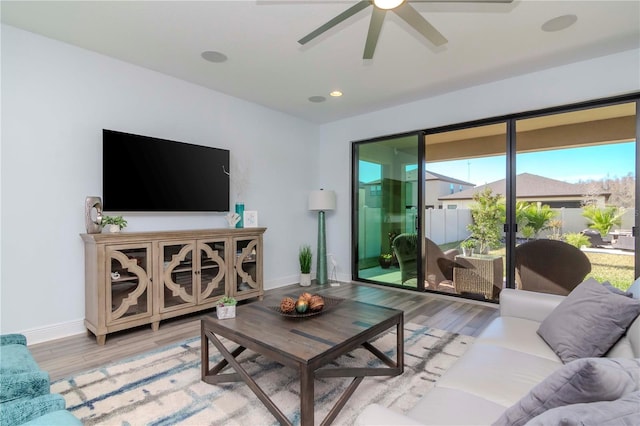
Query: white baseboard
x=71, y=328
x=55, y=331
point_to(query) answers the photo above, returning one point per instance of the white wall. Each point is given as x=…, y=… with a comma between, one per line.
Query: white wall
x=597, y=78
x=56, y=99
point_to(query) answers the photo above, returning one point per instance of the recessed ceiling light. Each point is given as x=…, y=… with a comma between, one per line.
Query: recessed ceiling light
x=336, y=94
x=213, y=56
x=559, y=23
x=317, y=99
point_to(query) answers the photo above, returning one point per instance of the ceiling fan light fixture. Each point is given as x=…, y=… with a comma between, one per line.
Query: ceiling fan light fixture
x=387, y=4
x=335, y=93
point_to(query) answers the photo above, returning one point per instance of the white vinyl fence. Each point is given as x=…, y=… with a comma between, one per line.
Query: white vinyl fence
x=450, y=225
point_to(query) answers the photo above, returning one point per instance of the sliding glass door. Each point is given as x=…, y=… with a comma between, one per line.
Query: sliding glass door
x=465, y=210
x=386, y=211
x=537, y=201
x=575, y=192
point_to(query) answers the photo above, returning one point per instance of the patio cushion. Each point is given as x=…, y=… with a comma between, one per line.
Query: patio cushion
x=588, y=322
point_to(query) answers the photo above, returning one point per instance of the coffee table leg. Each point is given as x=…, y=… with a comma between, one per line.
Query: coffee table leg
x=204, y=353
x=307, y=394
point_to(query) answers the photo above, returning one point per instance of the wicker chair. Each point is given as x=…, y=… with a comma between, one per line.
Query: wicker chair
x=550, y=266
x=439, y=264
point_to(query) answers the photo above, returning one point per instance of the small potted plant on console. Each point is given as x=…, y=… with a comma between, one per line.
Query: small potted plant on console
x=226, y=307
x=305, y=256
x=113, y=223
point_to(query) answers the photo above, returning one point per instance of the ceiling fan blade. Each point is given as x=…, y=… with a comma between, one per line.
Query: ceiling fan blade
x=375, y=25
x=413, y=18
x=335, y=21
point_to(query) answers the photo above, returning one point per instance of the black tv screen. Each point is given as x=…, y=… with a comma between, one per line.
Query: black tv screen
x=146, y=174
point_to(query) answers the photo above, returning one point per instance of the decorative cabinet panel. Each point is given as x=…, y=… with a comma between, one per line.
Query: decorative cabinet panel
x=140, y=278
x=193, y=272
x=128, y=281
x=247, y=269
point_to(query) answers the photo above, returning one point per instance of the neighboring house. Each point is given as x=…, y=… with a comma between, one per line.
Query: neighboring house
x=532, y=188
x=436, y=185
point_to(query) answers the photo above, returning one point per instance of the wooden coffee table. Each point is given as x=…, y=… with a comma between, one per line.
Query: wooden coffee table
x=305, y=344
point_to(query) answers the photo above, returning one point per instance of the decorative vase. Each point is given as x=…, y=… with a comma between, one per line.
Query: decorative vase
x=305, y=280
x=92, y=214
x=240, y=212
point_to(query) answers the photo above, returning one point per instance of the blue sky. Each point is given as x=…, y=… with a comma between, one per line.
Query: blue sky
x=569, y=165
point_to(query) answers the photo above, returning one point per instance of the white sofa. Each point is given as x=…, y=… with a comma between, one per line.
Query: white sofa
x=505, y=362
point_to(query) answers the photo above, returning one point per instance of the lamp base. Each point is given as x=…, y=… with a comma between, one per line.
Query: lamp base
x=321, y=269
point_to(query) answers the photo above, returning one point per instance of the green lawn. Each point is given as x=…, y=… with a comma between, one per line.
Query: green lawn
x=615, y=268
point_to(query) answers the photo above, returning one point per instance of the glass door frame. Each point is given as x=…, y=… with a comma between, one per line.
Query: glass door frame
x=355, y=233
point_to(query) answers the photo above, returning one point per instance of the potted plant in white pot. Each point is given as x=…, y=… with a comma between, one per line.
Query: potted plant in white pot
x=113, y=223
x=468, y=246
x=226, y=307
x=305, y=265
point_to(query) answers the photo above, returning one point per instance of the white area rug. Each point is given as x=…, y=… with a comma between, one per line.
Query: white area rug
x=163, y=387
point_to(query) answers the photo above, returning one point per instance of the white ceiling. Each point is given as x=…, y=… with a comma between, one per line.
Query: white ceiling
x=266, y=65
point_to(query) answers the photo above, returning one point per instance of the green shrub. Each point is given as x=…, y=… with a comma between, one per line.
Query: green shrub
x=577, y=240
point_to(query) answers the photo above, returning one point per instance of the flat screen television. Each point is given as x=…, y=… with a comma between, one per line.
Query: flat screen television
x=146, y=174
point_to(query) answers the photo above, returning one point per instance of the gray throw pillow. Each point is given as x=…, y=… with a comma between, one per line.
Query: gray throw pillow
x=624, y=411
x=588, y=322
x=616, y=290
x=581, y=381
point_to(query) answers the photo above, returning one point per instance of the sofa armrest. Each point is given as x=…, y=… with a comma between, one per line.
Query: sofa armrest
x=13, y=339
x=528, y=305
x=24, y=410
x=377, y=415
x=14, y=386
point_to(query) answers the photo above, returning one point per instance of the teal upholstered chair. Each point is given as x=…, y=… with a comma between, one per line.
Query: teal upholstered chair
x=24, y=388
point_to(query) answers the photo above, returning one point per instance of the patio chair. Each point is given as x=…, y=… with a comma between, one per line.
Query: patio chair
x=550, y=266
x=439, y=264
x=595, y=239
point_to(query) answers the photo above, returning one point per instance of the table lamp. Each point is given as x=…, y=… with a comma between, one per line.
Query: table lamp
x=322, y=201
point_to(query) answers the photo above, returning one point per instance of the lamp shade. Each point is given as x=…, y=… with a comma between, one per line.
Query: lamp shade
x=322, y=200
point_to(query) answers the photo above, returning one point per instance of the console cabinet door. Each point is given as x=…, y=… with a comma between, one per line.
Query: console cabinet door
x=211, y=269
x=247, y=266
x=128, y=295
x=178, y=275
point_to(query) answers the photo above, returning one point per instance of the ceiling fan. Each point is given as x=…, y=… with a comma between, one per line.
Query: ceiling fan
x=402, y=8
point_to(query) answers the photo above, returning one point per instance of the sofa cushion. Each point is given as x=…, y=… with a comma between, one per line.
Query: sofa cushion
x=580, y=381
x=622, y=411
x=517, y=334
x=442, y=406
x=16, y=358
x=499, y=375
x=588, y=322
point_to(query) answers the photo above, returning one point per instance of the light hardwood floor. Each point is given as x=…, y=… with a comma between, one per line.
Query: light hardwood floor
x=65, y=357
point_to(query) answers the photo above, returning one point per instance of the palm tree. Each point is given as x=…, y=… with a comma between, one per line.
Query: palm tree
x=538, y=217
x=603, y=219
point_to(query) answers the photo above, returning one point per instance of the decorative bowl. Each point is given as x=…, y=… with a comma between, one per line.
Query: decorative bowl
x=329, y=303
